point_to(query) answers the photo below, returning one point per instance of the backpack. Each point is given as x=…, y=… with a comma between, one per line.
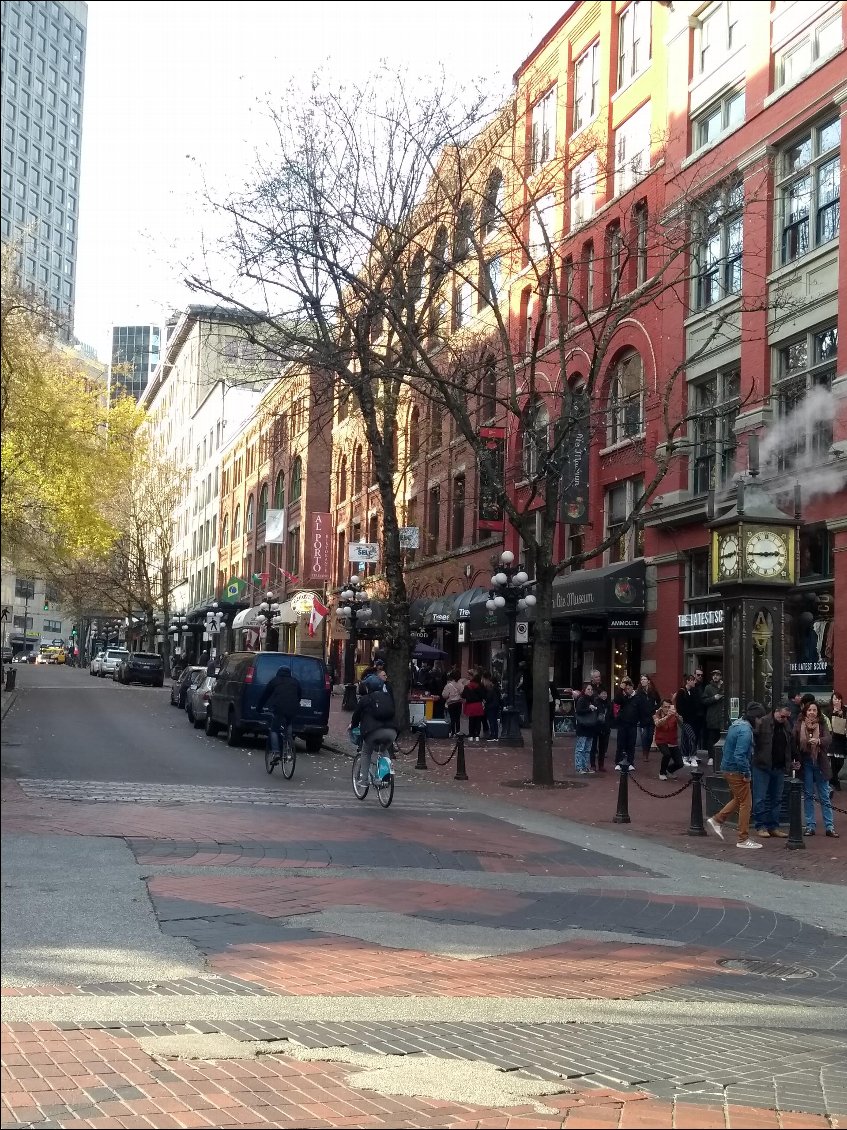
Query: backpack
x=382, y=706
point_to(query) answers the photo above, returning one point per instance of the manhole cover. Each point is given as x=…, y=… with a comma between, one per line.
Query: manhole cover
x=527, y=784
x=762, y=968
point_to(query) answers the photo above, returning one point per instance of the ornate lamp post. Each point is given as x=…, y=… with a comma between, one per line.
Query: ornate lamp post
x=353, y=609
x=269, y=611
x=508, y=591
x=178, y=625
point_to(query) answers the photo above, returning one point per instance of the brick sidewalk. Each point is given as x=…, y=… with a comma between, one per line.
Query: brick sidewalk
x=593, y=801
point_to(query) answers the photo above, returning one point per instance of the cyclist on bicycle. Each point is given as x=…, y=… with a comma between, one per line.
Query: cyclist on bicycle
x=282, y=696
x=374, y=715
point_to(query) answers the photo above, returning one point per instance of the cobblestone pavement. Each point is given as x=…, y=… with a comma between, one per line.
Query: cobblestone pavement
x=450, y=962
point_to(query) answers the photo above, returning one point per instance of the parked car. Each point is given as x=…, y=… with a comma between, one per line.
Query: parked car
x=197, y=700
x=181, y=685
x=96, y=663
x=110, y=661
x=43, y=657
x=141, y=667
x=240, y=682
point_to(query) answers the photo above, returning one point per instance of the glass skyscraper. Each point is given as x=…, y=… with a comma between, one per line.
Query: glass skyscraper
x=135, y=354
x=43, y=67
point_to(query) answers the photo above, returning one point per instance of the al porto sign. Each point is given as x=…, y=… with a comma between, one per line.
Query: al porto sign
x=320, y=546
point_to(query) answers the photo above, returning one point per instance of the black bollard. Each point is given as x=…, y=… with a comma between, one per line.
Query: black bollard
x=795, y=814
x=696, y=827
x=622, y=814
x=421, y=762
x=461, y=771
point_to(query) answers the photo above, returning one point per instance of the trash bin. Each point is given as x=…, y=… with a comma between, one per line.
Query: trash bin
x=11, y=675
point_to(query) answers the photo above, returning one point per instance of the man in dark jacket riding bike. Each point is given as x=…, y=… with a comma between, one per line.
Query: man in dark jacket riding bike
x=282, y=696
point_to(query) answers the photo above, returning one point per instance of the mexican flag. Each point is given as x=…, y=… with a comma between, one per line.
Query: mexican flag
x=262, y=580
x=235, y=587
x=317, y=615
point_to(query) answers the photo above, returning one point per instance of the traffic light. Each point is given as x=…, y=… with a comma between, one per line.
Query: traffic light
x=74, y=632
x=46, y=604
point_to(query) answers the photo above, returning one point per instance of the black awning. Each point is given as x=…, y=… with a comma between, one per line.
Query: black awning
x=612, y=590
x=485, y=625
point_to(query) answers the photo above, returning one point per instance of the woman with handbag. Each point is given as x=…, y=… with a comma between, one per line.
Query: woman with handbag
x=473, y=696
x=813, y=743
x=838, y=727
x=452, y=695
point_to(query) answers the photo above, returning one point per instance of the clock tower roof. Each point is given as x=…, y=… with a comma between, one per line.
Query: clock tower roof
x=752, y=504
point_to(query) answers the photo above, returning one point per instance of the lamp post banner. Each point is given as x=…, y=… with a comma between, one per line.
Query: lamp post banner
x=320, y=546
x=275, y=527
x=490, y=509
x=574, y=438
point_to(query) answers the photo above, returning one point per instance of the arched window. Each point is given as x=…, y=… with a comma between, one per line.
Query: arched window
x=296, y=487
x=225, y=531
x=357, y=471
x=626, y=398
x=236, y=524
x=417, y=276
x=492, y=204
x=439, y=254
x=250, y=516
x=263, y=504
x=342, y=479
x=535, y=440
x=372, y=476
x=464, y=232
x=413, y=439
x=279, y=492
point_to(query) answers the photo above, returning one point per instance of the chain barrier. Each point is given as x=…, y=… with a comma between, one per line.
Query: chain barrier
x=449, y=757
x=661, y=796
x=835, y=808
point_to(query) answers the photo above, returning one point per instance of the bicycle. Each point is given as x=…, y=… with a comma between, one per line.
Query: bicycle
x=381, y=774
x=285, y=757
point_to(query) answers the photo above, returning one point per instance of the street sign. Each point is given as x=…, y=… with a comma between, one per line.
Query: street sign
x=364, y=551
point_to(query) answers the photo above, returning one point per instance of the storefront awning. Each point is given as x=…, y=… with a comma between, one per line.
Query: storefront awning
x=485, y=625
x=453, y=608
x=246, y=617
x=615, y=592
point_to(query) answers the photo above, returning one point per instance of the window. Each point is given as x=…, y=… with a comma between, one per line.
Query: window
x=715, y=403
x=357, y=471
x=588, y=259
x=492, y=204
x=296, y=488
x=626, y=398
x=435, y=428
x=341, y=558
x=583, y=190
x=616, y=261
x=24, y=589
x=586, y=81
x=417, y=284
x=413, y=434
x=23, y=622
x=250, y=515
x=52, y=626
x=567, y=293
x=621, y=501
x=292, y=552
x=492, y=280
x=809, y=191
x=488, y=401
x=535, y=439
x=632, y=149
x=806, y=369
x=816, y=43
x=434, y=527
x=719, y=247
x=464, y=302
x=542, y=217
x=439, y=254
x=412, y=522
x=464, y=232
x=641, y=218
x=633, y=41
x=544, y=130
x=717, y=119
x=279, y=492
x=457, y=514
x=342, y=479
x=236, y=524
x=719, y=33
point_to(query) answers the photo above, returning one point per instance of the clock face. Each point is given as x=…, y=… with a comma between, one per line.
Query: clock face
x=728, y=556
x=766, y=554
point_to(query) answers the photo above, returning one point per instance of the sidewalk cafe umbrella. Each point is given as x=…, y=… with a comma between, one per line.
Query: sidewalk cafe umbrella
x=424, y=651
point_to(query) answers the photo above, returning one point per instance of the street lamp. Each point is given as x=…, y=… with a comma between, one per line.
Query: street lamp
x=353, y=609
x=269, y=611
x=508, y=592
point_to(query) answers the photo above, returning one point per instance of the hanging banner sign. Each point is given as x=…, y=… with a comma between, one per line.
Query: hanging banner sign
x=410, y=537
x=364, y=552
x=573, y=443
x=491, y=469
x=319, y=545
x=275, y=527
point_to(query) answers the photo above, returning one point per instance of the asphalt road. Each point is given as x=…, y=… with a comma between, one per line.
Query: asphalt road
x=68, y=725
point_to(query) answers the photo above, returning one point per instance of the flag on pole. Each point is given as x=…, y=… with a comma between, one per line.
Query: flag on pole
x=317, y=615
x=292, y=580
x=235, y=587
x=261, y=579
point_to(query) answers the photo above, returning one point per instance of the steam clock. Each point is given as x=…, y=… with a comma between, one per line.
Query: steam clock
x=753, y=562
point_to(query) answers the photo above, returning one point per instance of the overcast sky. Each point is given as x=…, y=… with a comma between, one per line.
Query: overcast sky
x=171, y=94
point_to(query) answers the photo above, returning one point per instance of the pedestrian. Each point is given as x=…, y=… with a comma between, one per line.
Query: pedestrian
x=773, y=757
x=493, y=703
x=627, y=718
x=585, y=712
x=813, y=742
x=649, y=701
x=713, y=698
x=600, y=741
x=838, y=727
x=452, y=695
x=794, y=705
x=473, y=696
x=687, y=703
x=666, y=722
x=736, y=766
